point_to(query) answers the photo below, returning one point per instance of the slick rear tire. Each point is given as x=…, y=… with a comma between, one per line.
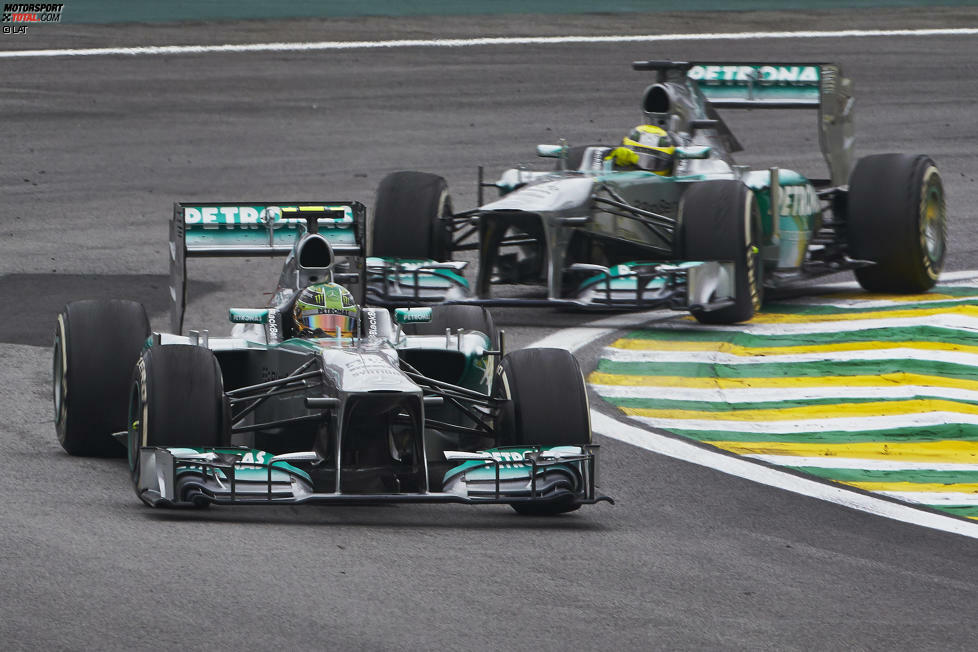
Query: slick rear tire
x=176, y=400
x=407, y=214
x=548, y=406
x=96, y=345
x=720, y=220
x=897, y=218
x=469, y=318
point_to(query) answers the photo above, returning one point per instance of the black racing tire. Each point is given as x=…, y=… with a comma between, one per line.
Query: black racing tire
x=176, y=400
x=896, y=217
x=407, y=214
x=469, y=318
x=575, y=156
x=720, y=220
x=548, y=406
x=96, y=345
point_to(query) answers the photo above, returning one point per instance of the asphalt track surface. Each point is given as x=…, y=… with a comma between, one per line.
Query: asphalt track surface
x=96, y=149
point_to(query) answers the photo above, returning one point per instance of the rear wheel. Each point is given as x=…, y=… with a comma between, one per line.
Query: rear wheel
x=897, y=218
x=721, y=221
x=96, y=344
x=407, y=217
x=469, y=318
x=548, y=406
x=176, y=400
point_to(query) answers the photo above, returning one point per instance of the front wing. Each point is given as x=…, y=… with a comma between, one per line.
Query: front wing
x=241, y=476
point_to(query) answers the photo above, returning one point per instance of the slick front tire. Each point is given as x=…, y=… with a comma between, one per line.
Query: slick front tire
x=896, y=218
x=547, y=406
x=96, y=345
x=721, y=221
x=407, y=217
x=176, y=400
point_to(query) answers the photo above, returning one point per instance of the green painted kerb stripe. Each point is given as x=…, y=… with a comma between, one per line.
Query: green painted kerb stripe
x=790, y=370
x=944, y=432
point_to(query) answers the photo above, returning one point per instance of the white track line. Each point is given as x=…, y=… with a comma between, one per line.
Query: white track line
x=575, y=338
x=476, y=42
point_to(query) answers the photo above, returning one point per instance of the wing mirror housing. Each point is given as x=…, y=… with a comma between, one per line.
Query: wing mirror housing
x=693, y=152
x=412, y=315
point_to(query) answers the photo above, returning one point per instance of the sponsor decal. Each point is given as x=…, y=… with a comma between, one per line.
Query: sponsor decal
x=255, y=217
x=798, y=201
x=412, y=315
x=371, y=323
x=272, y=325
x=735, y=75
x=507, y=456
x=17, y=16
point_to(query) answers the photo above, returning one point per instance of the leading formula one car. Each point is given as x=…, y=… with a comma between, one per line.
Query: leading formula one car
x=698, y=233
x=424, y=407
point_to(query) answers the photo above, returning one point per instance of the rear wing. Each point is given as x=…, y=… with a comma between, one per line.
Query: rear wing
x=759, y=85
x=223, y=229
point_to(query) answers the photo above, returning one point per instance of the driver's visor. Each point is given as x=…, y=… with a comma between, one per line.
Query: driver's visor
x=327, y=322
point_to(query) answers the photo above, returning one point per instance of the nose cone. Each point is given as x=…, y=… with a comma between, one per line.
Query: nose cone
x=365, y=371
x=549, y=196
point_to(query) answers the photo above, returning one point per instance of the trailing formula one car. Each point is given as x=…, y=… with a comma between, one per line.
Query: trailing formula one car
x=668, y=219
x=315, y=398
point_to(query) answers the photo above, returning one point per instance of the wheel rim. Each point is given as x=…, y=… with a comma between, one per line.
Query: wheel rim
x=60, y=380
x=134, y=422
x=933, y=222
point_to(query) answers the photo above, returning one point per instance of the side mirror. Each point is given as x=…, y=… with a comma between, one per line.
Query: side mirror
x=552, y=151
x=412, y=315
x=248, y=315
x=693, y=152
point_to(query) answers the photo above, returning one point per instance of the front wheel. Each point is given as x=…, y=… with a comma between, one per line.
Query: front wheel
x=721, y=221
x=176, y=400
x=547, y=406
x=896, y=217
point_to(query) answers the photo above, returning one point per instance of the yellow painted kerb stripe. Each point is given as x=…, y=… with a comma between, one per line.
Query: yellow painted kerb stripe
x=930, y=487
x=776, y=318
x=947, y=451
x=839, y=410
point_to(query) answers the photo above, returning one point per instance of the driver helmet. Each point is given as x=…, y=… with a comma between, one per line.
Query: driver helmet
x=654, y=146
x=323, y=308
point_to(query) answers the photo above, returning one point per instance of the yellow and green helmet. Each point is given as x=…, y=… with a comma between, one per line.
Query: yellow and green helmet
x=323, y=308
x=654, y=146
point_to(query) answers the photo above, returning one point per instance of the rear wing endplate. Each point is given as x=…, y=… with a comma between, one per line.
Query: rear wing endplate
x=760, y=85
x=222, y=229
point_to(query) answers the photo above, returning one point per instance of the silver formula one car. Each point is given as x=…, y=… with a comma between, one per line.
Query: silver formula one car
x=675, y=222
x=421, y=406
